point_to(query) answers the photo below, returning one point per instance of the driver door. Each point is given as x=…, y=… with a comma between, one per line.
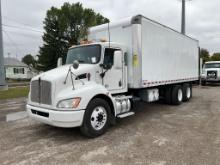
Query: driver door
x=113, y=79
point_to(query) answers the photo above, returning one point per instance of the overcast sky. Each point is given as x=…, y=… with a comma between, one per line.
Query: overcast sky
x=26, y=17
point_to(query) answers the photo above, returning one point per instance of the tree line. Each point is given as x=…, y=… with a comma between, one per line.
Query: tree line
x=206, y=56
x=63, y=27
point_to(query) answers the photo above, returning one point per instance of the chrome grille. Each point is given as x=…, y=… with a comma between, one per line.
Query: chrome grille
x=35, y=91
x=41, y=92
x=212, y=74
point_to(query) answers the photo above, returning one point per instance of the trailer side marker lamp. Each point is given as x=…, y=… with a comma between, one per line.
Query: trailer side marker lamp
x=135, y=60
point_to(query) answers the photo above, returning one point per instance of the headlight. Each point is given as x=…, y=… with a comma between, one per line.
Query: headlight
x=70, y=103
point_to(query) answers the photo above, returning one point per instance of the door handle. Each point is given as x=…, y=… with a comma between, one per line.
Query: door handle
x=120, y=83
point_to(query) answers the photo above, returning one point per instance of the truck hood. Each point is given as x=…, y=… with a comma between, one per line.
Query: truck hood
x=57, y=76
x=61, y=72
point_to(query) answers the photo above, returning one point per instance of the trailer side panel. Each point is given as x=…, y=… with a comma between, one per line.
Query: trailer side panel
x=167, y=56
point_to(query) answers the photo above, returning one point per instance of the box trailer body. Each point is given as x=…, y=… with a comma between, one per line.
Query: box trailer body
x=157, y=55
x=136, y=59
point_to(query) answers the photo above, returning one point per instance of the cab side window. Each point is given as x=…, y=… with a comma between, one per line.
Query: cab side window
x=109, y=56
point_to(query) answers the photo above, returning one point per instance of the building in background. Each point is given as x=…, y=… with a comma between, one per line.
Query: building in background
x=16, y=69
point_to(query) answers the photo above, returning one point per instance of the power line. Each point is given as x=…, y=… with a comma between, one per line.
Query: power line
x=21, y=23
x=22, y=28
x=12, y=42
x=30, y=36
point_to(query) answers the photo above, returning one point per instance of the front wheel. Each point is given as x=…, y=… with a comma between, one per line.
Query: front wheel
x=96, y=118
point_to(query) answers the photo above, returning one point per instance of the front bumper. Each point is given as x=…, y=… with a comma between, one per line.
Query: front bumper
x=56, y=118
x=210, y=80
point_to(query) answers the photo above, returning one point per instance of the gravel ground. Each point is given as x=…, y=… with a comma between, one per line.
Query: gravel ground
x=10, y=106
x=158, y=134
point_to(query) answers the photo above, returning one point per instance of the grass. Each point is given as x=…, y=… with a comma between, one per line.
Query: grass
x=14, y=93
x=17, y=80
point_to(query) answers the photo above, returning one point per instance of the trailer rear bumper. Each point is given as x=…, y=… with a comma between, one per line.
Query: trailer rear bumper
x=56, y=118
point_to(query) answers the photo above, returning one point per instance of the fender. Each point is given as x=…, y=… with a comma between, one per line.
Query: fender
x=87, y=93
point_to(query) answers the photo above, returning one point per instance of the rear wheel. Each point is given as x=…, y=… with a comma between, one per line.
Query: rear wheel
x=168, y=94
x=177, y=95
x=96, y=118
x=187, y=92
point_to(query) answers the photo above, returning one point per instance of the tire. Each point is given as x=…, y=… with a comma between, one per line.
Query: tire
x=203, y=83
x=177, y=95
x=168, y=94
x=96, y=118
x=187, y=92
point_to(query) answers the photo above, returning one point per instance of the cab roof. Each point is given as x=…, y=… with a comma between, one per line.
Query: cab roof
x=105, y=44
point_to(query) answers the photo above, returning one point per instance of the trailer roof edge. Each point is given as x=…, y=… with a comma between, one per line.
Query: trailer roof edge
x=137, y=19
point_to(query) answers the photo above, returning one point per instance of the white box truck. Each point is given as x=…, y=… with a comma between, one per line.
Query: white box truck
x=210, y=72
x=136, y=59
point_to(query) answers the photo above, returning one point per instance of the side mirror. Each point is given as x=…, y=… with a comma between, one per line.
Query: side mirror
x=59, y=62
x=118, y=59
x=75, y=64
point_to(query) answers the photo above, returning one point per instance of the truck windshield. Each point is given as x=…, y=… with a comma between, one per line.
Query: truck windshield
x=212, y=65
x=84, y=54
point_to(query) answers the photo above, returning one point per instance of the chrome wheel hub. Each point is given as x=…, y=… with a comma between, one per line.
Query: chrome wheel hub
x=188, y=92
x=98, y=118
x=180, y=95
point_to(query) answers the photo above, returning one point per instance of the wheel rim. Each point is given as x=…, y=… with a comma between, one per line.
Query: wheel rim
x=98, y=118
x=188, y=92
x=180, y=95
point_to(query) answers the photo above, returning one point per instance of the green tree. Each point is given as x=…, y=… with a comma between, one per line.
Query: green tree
x=204, y=54
x=215, y=57
x=29, y=60
x=65, y=27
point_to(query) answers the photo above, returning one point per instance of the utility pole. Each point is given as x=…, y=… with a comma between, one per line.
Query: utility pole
x=3, y=85
x=183, y=24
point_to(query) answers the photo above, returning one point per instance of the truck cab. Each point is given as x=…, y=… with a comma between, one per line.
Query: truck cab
x=60, y=96
x=210, y=72
x=101, y=80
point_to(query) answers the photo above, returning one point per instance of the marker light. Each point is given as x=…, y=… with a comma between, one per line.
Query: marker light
x=103, y=40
